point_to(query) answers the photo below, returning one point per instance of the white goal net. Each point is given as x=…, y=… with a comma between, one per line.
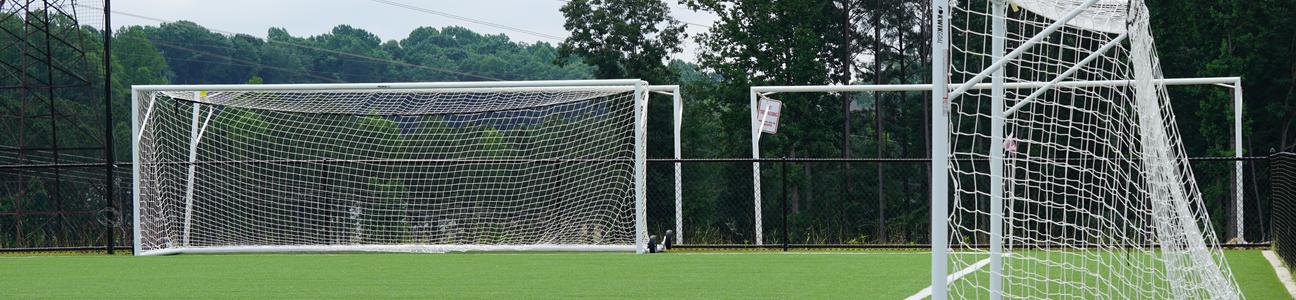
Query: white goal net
x=1064, y=191
x=430, y=167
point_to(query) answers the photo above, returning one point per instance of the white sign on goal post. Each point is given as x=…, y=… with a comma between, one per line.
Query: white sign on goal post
x=770, y=110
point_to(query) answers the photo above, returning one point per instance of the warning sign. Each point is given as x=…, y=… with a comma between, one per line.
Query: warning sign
x=769, y=115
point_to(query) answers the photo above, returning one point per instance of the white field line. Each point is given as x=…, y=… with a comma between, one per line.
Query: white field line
x=1284, y=275
x=926, y=292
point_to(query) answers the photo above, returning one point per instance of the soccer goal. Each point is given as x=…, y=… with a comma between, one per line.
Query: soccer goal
x=758, y=93
x=402, y=167
x=1061, y=191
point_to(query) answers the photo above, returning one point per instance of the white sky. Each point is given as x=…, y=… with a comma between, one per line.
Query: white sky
x=312, y=17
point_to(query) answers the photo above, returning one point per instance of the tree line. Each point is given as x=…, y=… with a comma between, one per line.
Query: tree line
x=762, y=42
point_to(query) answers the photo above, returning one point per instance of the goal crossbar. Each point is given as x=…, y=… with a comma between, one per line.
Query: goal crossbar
x=393, y=85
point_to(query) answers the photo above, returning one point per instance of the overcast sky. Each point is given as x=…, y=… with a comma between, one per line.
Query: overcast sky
x=312, y=17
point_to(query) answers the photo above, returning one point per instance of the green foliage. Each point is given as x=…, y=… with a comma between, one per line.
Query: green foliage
x=622, y=38
x=493, y=142
x=757, y=42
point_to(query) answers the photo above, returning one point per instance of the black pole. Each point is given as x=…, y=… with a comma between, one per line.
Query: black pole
x=786, y=238
x=109, y=158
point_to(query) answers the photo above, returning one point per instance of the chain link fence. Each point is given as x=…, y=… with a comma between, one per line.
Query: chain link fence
x=875, y=202
x=804, y=203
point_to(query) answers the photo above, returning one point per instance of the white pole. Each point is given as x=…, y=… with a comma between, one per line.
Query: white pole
x=1237, y=165
x=640, y=167
x=135, y=171
x=939, y=147
x=193, y=156
x=678, y=110
x=997, y=120
x=756, y=180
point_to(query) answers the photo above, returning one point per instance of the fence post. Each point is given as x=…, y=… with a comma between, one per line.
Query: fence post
x=786, y=237
x=109, y=157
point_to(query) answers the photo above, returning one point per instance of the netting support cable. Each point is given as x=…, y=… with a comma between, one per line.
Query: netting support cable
x=195, y=136
x=1039, y=37
x=147, y=112
x=1070, y=71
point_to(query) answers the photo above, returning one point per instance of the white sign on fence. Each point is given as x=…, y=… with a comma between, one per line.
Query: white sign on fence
x=769, y=115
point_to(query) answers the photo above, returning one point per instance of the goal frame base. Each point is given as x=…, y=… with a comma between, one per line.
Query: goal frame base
x=390, y=248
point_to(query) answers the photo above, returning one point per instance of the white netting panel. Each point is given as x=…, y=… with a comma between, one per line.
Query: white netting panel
x=1099, y=202
x=418, y=167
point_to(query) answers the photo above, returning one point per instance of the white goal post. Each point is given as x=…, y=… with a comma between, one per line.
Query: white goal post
x=761, y=92
x=400, y=167
x=1079, y=192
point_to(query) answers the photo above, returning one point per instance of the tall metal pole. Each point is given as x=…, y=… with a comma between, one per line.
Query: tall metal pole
x=136, y=236
x=755, y=147
x=641, y=167
x=54, y=115
x=109, y=157
x=997, y=120
x=1237, y=165
x=939, y=148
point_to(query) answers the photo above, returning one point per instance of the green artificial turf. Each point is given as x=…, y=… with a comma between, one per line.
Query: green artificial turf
x=459, y=276
x=704, y=275
x=1254, y=275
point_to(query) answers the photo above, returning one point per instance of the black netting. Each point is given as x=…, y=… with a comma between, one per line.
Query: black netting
x=1282, y=174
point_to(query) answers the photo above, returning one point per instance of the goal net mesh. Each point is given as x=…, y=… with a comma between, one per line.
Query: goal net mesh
x=388, y=170
x=1098, y=198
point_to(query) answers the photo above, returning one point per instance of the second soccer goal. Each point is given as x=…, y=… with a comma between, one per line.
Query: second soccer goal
x=415, y=167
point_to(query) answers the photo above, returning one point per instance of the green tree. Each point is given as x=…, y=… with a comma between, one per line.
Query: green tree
x=357, y=41
x=622, y=38
x=630, y=39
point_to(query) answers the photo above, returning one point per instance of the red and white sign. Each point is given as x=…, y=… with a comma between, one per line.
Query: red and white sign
x=769, y=115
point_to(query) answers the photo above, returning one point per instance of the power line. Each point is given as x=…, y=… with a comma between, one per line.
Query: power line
x=343, y=53
x=471, y=20
x=670, y=7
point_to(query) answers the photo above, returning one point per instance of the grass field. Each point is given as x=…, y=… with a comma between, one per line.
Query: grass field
x=710, y=275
